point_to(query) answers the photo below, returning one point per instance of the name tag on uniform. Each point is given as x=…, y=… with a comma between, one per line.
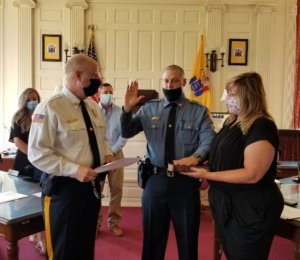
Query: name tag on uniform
x=72, y=120
x=155, y=118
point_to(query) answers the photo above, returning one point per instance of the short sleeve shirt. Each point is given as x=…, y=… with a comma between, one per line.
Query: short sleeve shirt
x=227, y=150
x=21, y=159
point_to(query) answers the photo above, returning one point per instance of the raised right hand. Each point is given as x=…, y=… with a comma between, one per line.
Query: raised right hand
x=131, y=97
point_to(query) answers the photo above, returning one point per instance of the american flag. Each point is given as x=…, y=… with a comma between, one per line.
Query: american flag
x=91, y=49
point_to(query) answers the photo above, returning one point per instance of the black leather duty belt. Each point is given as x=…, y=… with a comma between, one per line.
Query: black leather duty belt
x=164, y=172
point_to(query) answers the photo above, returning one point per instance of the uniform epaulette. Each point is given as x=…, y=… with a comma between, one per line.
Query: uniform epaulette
x=54, y=97
x=153, y=100
x=49, y=100
x=194, y=102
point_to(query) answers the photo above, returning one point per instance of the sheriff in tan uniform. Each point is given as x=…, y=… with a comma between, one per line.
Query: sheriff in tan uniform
x=59, y=145
x=58, y=123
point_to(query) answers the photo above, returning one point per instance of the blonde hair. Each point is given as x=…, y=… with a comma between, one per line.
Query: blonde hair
x=23, y=115
x=252, y=97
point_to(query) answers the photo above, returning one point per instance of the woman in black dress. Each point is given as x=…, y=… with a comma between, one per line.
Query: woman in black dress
x=19, y=133
x=245, y=201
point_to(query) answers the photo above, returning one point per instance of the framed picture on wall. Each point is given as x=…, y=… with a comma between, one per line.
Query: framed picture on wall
x=51, y=47
x=238, y=52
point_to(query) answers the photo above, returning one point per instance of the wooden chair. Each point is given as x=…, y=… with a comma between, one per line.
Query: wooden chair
x=289, y=145
x=288, y=153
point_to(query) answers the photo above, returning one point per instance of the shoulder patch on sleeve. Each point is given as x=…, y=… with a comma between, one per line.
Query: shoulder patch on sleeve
x=38, y=119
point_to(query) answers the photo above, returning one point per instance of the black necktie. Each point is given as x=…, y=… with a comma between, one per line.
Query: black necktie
x=93, y=144
x=170, y=135
x=91, y=134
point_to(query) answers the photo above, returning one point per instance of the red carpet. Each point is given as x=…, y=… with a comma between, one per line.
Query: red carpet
x=128, y=247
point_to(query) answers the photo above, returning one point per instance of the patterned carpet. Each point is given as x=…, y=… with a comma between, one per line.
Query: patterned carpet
x=128, y=247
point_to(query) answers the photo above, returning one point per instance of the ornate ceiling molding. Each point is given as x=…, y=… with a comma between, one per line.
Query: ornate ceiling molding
x=215, y=7
x=73, y=3
x=266, y=8
x=18, y=3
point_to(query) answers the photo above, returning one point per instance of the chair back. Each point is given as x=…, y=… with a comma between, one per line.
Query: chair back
x=289, y=145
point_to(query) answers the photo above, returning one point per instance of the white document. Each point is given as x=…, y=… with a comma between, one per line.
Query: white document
x=38, y=194
x=290, y=213
x=10, y=195
x=13, y=172
x=117, y=164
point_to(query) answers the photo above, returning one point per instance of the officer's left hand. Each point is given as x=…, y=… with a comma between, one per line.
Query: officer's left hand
x=187, y=161
x=85, y=174
x=109, y=158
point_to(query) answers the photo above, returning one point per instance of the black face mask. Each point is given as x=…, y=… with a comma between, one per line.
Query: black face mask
x=172, y=94
x=92, y=88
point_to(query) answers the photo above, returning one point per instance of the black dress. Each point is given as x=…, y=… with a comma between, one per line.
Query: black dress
x=21, y=163
x=245, y=215
x=21, y=160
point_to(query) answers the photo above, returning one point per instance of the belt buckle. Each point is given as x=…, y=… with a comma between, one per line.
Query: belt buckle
x=170, y=170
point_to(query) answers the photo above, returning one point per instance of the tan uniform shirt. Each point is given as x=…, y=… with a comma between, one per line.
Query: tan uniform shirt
x=58, y=140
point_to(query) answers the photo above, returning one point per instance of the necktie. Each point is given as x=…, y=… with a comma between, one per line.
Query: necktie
x=170, y=135
x=92, y=141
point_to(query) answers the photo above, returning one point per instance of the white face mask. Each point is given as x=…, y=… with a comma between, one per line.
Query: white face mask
x=106, y=99
x=233, y=104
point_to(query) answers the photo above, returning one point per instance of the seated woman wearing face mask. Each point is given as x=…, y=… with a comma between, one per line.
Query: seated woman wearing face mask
x=19, y=133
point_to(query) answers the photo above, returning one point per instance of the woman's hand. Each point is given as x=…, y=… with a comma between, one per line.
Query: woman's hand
x=197, y=173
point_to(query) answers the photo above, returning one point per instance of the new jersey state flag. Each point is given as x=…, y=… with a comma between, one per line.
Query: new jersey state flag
x=200, y=90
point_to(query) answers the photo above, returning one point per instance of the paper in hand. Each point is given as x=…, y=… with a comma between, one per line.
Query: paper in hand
x=116, y=164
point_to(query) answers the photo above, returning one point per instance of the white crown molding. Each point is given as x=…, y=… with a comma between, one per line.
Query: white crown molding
x=18, y=3
x=211, y=7
x=73, y=3
x=266, y=8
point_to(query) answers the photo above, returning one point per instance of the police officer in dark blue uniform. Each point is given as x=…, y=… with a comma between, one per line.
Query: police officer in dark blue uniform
x=169, y=196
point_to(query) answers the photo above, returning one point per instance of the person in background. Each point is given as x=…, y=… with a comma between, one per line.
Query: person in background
x=19, y=132
x=59, y=144
x=169, y=196
x=245, y=201
x=112, y=114
x=96, y=97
